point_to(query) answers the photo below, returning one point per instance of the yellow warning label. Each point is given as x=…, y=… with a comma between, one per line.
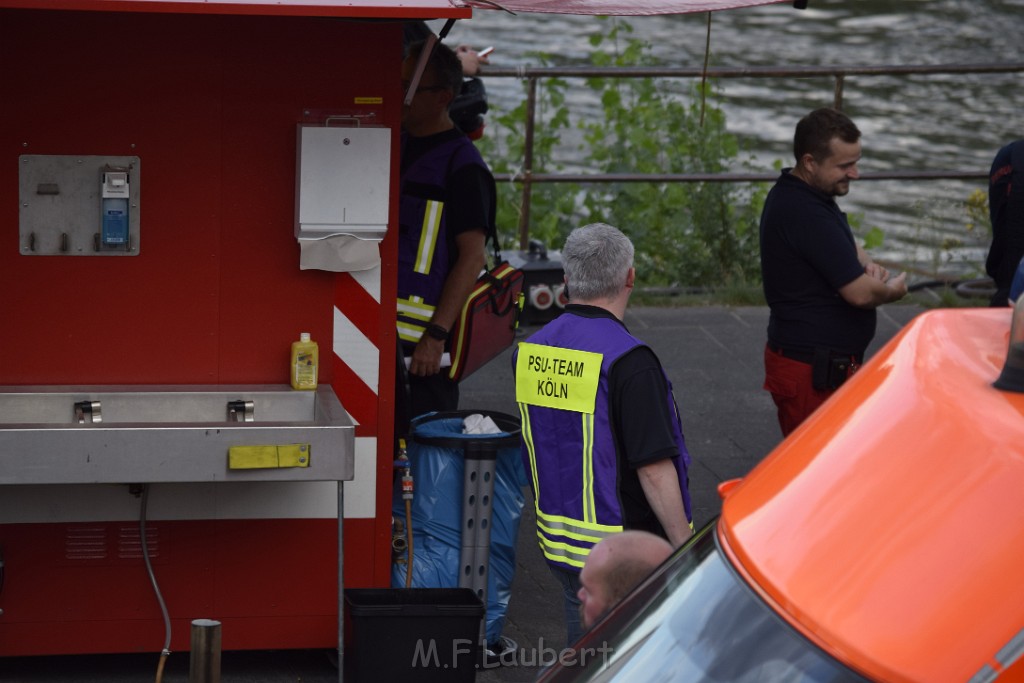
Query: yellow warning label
x=553, y=377
x=268, y=457
x=369, y=100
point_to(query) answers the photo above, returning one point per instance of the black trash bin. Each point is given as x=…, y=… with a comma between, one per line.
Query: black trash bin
x=413, y=635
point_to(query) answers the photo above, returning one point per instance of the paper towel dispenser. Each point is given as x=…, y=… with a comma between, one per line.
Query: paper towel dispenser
x=342, y=182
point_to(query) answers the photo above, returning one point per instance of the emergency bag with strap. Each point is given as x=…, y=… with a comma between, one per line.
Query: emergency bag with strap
x=487, y=324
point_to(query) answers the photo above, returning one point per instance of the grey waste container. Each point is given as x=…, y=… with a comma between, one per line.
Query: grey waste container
x=455, y=513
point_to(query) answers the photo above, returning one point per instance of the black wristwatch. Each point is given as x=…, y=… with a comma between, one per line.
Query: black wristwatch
x=437, y=332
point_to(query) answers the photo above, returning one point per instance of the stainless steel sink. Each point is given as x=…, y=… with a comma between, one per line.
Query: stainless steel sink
x=140, y=434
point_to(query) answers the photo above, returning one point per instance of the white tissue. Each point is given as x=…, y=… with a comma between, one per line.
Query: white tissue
x=338, y=254
x=479, y=424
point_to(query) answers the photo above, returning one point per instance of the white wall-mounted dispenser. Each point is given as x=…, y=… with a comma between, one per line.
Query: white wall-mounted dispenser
x=343, y=179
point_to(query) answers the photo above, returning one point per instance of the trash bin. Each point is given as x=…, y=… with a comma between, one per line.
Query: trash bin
x=413, y=635
x=466, y=510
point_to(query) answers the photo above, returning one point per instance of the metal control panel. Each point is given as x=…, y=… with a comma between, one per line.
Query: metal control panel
x=75, y=205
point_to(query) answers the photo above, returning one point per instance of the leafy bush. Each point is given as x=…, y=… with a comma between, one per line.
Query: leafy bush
x=554, y=208
x=686, y=234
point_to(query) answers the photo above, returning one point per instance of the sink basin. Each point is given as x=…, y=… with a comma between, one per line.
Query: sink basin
x=143, y=434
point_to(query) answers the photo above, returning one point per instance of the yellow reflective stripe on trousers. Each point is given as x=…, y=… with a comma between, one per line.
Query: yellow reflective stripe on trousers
x=428, y=236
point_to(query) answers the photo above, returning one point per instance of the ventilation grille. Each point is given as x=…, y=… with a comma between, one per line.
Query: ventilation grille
x=109, y=542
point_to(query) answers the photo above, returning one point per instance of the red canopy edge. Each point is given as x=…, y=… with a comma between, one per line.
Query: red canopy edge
x=398, y=9
x=616, y=7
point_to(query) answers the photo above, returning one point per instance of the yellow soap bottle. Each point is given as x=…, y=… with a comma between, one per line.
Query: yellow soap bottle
x=305, y=362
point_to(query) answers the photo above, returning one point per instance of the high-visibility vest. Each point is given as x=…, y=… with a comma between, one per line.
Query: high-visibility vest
x=569, y=449
x=424, y=257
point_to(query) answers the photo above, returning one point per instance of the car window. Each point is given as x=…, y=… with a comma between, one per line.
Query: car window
x=696, y=620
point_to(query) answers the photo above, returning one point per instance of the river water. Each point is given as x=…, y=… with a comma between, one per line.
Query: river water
x=909, y=123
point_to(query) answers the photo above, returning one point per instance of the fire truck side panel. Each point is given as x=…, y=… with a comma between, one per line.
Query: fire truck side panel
x=210, y=105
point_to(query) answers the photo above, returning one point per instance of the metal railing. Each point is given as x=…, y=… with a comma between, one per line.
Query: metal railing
x=532, y=75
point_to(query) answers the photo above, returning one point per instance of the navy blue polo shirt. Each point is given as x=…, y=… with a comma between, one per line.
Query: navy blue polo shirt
x=807, y=253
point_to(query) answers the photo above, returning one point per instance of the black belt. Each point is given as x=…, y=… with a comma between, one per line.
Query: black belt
x=805, y=356
x=792, y=354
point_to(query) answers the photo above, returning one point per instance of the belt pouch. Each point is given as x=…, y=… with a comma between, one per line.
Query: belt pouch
x=839, y=371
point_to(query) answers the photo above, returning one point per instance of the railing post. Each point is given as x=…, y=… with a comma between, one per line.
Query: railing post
x=524, y=207
x=837, y=98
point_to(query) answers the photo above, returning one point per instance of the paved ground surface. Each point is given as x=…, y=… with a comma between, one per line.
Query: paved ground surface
x=713, y=355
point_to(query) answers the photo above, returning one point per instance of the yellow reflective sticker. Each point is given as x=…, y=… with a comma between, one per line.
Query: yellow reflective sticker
x=553, y=377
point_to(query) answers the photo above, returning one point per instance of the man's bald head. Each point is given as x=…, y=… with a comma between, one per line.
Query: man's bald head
x=616, y=566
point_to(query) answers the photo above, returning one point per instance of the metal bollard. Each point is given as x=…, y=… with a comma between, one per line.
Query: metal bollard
x=204, y=662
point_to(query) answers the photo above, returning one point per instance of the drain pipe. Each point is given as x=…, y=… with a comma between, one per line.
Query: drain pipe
x=156, y=588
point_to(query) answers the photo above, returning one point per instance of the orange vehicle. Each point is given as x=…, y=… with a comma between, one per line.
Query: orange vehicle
x=882, y=541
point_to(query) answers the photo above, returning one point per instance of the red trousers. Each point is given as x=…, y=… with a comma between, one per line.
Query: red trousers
x=789, y=382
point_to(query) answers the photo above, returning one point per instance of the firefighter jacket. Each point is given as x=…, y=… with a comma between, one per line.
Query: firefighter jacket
x=569, y=443
x=424, y=245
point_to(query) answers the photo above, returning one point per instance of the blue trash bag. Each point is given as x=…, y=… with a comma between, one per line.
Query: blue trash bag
x=437, y=516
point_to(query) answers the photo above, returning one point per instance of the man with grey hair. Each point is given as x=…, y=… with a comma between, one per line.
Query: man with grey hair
x=602, y=438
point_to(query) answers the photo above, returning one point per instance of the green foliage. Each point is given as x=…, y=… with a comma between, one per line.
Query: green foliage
x=553, y=206
x=976, y=208
x=874, y=238
x=686, y=234
x=938, y=231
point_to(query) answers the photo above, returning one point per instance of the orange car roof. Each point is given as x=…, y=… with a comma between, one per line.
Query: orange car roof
x=889, y=528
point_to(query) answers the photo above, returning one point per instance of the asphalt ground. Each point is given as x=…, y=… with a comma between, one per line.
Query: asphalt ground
x=712, y=355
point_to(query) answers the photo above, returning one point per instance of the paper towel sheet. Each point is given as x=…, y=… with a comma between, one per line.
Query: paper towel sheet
x=339, y=254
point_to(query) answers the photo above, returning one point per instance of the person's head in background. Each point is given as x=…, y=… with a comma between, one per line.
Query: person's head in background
x=598, y=264
x=826, y=145
x=616, y=566
x=439, y=84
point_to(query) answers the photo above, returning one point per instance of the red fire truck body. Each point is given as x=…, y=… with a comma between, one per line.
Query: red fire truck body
x=198, y=105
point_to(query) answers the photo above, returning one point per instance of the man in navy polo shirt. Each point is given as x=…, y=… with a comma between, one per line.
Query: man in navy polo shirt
x=821, y=286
